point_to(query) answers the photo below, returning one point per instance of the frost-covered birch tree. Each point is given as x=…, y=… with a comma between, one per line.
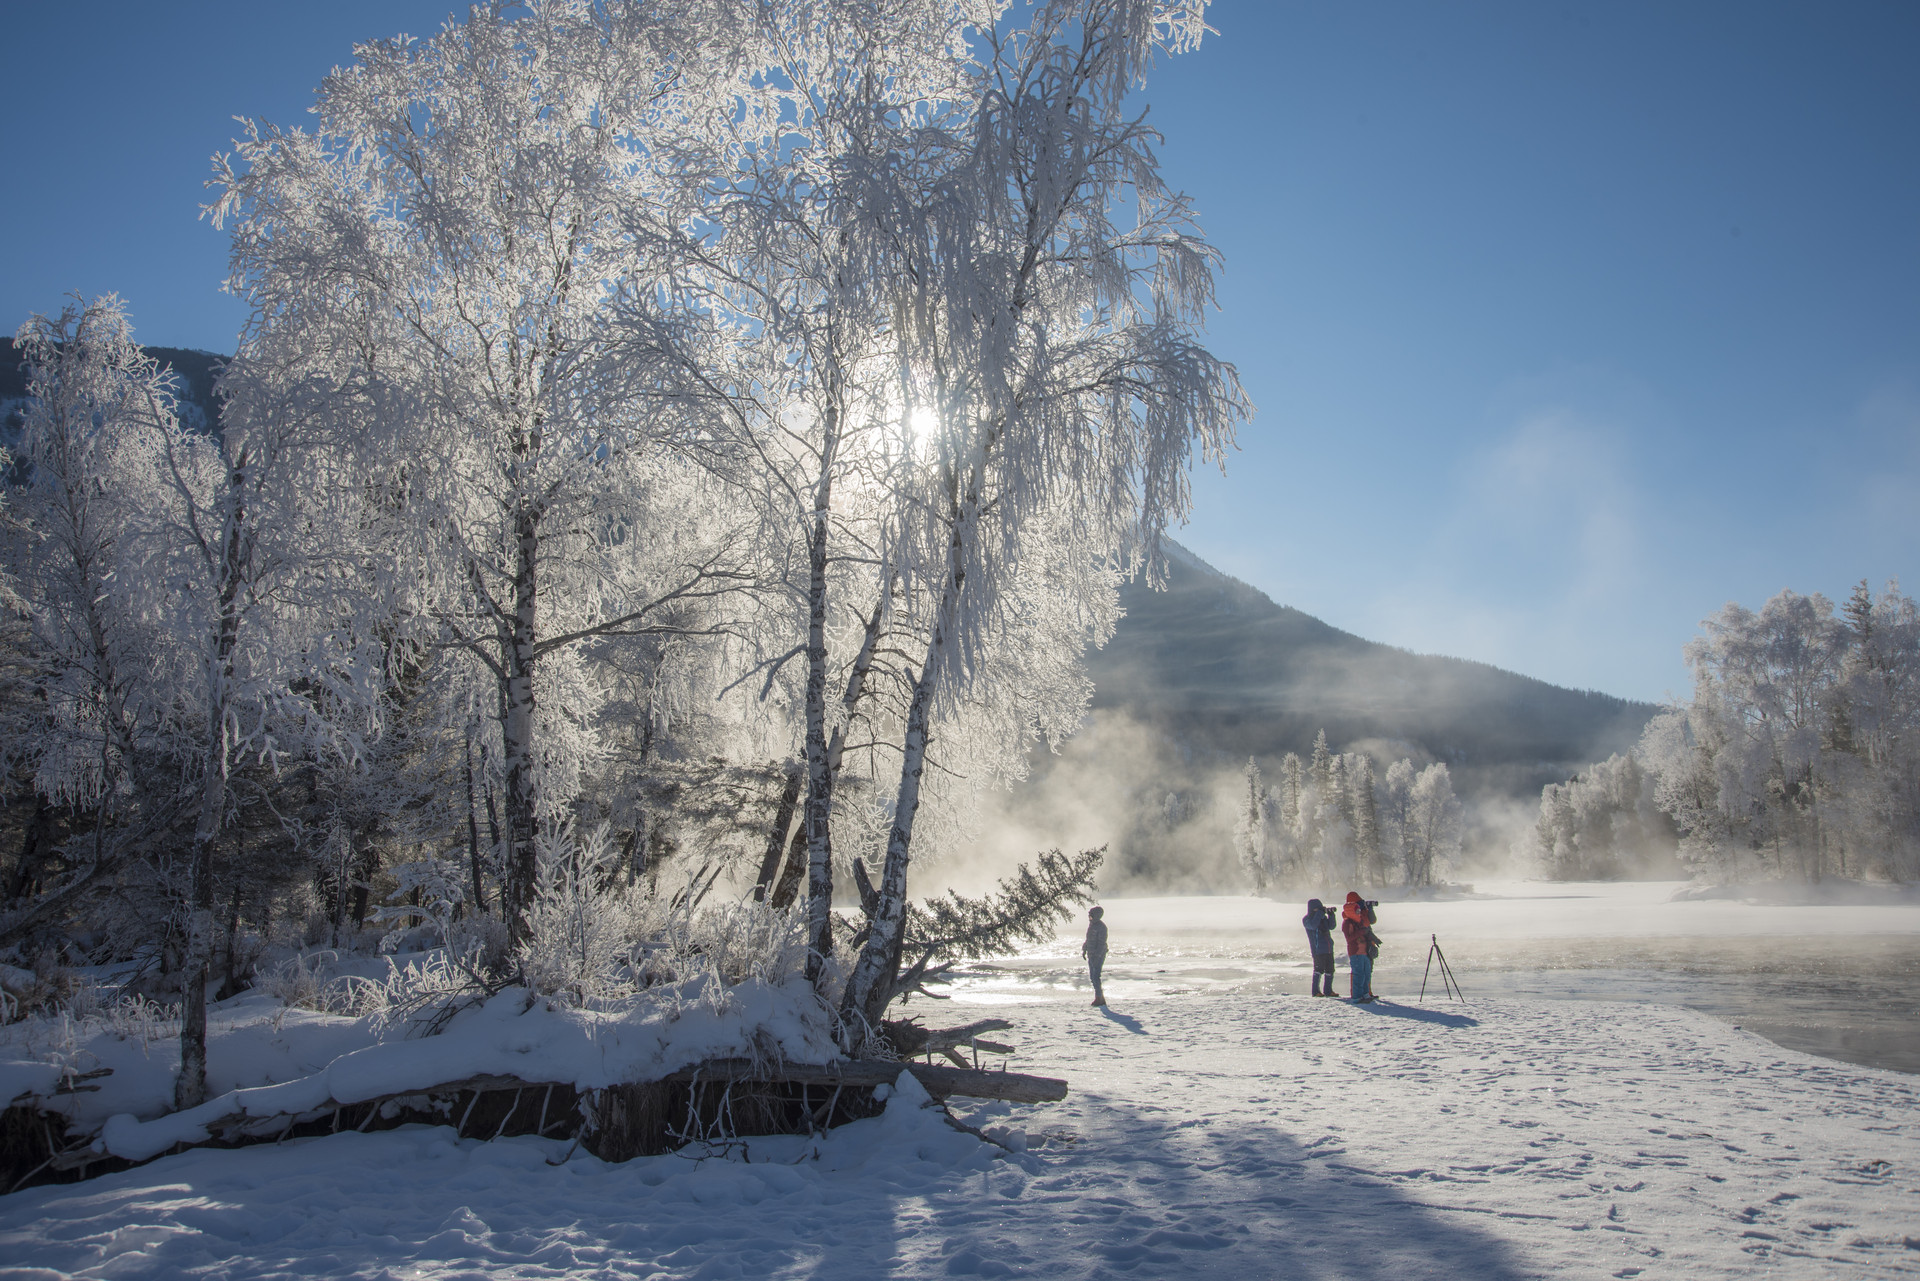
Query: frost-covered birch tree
x=1055, y=350
x=1433, y=824
x=830, y=162
x=445, y=251
x=182, y=594
x=253, y=538
x=105, y=734
x=1396, y=813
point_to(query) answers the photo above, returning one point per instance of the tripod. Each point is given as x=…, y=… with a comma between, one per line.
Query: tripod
x=1450, y=983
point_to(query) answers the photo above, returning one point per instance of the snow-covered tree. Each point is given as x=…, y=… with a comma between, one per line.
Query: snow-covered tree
x=1054, y=348
x=1797, y=753
x=439, y=264
x=1366, y=819
x=1603, y=823
x=1287, y=841
x=1250, y=826
x=814, y=421
x=1396, y=813
x=106, y=741
x=1433, y=824
x=185, y=603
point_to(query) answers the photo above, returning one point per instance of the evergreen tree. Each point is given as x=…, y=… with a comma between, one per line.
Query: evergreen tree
x=1366, y=820
x=1287, y=840
x=1858, y=612
x=1250, y=829
x=1322, y=765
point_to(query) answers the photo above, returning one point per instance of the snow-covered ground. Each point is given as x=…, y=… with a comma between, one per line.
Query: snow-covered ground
x=1214, y=1130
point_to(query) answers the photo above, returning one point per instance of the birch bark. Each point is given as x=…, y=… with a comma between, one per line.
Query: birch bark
x=819, y=807
x=870, y=987
x=190, y=1086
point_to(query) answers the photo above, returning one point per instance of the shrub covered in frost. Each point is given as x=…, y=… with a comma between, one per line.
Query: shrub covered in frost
x=592, y=936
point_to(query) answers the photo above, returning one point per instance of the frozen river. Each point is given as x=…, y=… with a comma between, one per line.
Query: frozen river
x=1835, y=979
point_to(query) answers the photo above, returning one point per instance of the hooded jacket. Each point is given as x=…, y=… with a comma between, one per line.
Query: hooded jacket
x=1319, y=924
x=1354, y=925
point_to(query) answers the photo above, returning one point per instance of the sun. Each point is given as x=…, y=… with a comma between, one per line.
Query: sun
x=922, y=423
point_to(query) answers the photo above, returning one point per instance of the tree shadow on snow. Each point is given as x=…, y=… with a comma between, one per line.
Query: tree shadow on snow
x=1152, y=1189
x=1444, y=1018
x=1126, y=1021
x=1151, y=1192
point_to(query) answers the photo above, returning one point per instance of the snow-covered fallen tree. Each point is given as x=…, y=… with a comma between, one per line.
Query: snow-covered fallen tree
x=627, y=1019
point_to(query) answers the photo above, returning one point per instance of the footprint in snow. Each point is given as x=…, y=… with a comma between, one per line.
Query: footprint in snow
x=1185, y=1240
x=971, y=1263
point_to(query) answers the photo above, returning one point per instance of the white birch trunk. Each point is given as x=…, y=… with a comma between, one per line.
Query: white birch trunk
x=819, y=809
x=869, y=988
x=190, y=1086
x=517, y=729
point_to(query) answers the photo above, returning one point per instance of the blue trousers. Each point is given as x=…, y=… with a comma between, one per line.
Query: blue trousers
x=1361, y=968
x=1093, y=967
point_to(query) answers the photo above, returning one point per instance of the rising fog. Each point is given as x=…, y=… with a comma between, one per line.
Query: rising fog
x=1209, y=672
x=1166, y=811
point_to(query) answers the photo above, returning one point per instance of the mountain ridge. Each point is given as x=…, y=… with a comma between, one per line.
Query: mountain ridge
x=1219, y=666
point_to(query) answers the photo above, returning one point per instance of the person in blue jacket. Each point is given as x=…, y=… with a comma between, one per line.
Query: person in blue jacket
x=1319, y=921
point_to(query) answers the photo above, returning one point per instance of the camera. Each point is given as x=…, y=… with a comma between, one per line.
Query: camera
x=1369, y=902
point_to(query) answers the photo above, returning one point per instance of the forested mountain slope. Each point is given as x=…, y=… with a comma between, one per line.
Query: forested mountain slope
x=1216, y=665
x=196, y=371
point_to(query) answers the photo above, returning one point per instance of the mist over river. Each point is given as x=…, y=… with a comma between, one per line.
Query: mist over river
x=1837, y=979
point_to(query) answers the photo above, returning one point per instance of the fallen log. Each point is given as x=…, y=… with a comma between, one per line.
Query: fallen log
x=911, y=1039
x=940, y=1082
x=237, y=1123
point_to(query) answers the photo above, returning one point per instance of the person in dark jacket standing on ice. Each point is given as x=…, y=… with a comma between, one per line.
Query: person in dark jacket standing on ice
x=1356, y=923
x=1319, y=922
x=1095, y=950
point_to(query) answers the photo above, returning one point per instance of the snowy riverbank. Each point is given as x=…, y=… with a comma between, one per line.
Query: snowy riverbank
x=1831, y=978
x=1207, y=1136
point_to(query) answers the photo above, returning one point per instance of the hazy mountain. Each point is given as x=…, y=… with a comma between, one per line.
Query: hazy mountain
x=1219, y=667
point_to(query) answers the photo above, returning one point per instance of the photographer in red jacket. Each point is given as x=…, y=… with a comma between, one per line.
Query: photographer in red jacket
x=1356, y=923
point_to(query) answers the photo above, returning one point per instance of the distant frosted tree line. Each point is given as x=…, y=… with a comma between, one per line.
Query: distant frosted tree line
x=1797, y=756
x=668, y=441
x=1604, y=824
x=1329, y=821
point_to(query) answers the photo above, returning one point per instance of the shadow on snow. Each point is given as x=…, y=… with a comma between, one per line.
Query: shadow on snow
x=1419, y=1014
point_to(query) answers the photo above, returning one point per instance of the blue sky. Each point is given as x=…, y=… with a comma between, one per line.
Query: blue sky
x=1566, y=324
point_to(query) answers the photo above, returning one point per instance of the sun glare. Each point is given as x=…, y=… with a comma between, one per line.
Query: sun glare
x=921, y=424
